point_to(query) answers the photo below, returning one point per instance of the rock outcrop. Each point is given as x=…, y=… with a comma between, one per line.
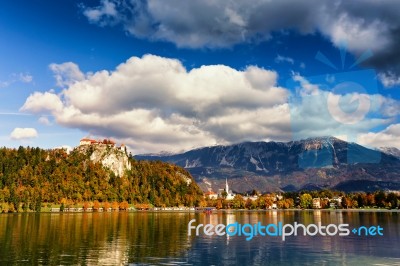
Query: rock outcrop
x=111, y=157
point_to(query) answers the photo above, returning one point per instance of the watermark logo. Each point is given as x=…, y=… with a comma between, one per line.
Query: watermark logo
x=341, y=103
x=280, y=230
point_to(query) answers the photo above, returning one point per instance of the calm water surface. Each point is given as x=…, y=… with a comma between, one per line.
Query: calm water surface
x=162, y=238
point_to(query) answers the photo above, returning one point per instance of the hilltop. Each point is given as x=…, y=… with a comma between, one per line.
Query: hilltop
x=31, y=177
x=112, y=157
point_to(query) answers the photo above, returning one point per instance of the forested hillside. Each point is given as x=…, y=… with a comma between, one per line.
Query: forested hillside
x=31, y=177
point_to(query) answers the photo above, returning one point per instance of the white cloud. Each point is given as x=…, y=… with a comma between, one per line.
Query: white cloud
x=362, y=25
x=44, y=120
x=318, y=112
x=389, y=79
x=306, y=88
x=346, y=116
x=107, y=10
x=15, y=77
x=388, y=107
x=389, y=137
x=199, y=23
x=154, y=103
x=282, y=59
x=66, y=73
x=25, y=77
x=23, y=133
x=39, y=102
x=359, y=33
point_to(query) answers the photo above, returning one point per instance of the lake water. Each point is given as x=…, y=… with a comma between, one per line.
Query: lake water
x=162, y=238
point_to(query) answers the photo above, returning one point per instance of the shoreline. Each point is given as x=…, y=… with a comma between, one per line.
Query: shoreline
x=216, y=211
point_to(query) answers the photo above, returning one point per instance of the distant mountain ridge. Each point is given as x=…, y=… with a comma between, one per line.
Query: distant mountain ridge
x=322, y=162
x=390, y=151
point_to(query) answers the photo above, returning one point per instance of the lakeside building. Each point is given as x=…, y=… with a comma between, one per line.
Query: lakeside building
x=211, y=195
x=252, y=198
x=316, y=203
x=221, y=193
x=229, y=194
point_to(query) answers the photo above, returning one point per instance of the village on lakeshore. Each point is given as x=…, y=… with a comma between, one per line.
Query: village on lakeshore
x=225, y=199
x=273, y=201
x=107, y=158
x=323, y=199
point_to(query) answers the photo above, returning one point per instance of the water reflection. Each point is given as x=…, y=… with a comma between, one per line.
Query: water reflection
x=93, y=238
x=154, y=238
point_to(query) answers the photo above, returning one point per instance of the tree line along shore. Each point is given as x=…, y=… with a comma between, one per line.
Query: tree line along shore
x=317, y=199
x=34, y=179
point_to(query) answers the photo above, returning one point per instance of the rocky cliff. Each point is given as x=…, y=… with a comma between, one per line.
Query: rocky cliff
x=113, y=158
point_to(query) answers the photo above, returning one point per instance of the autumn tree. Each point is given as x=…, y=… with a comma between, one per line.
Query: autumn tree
x=96, y=205
x=238, y=202
x=124, y=205
x=306, y=201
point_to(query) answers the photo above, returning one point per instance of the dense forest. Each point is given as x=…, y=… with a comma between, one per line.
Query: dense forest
x=31, y=178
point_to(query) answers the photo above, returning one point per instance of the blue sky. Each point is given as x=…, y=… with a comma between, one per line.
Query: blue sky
x=159, y=75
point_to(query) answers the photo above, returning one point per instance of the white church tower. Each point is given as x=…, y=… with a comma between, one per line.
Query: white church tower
x=229, y=194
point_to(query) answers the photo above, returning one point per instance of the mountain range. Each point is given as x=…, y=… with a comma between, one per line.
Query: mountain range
x=313, y=163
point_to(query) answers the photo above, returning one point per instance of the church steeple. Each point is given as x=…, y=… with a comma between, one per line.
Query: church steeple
x=226, y=185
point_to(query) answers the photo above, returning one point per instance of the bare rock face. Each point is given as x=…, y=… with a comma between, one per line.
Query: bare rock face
x=114, y=158
x=185, y=178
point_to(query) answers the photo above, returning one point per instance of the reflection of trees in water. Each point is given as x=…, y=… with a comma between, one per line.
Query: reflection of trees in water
x=146, y=237
x=93, y=238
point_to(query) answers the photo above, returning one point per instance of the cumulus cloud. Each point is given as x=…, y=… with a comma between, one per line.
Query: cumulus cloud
x=154, y=103
x=105, y=12
x=321, y=112
x=389, y=137
x=389, y=107
x=23, y=133
x=39, y=102
x=66, y=73
x=306, y=88
x=373, y=25
x=389, y=79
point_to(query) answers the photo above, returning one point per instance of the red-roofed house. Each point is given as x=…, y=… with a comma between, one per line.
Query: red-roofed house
x=211, y=195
